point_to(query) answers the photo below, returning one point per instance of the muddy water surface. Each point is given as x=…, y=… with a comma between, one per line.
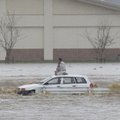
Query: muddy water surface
x=60, y=107
x=57, y=107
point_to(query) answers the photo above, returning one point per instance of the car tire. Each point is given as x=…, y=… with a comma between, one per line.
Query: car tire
x=31, y=92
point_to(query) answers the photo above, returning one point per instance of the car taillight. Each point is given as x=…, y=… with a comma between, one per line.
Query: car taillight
x=91, y=85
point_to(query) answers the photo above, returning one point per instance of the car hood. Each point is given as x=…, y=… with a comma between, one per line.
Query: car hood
x=30, y=86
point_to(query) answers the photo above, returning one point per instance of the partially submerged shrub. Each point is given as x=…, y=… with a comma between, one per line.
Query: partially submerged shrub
x=4, y=90
x=115, y=87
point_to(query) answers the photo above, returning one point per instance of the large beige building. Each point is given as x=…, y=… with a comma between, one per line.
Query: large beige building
x=54, y=28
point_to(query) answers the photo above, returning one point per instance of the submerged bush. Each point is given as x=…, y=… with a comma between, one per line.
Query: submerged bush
x=115, y=87
x=4, y=90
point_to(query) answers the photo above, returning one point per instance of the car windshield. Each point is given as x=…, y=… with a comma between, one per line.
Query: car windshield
x=42, y=81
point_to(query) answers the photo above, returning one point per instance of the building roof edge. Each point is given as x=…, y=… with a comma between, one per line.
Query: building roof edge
x=102, y=3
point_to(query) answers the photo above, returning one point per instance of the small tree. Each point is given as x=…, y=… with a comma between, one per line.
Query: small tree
x=9, y=35
x=102, y=40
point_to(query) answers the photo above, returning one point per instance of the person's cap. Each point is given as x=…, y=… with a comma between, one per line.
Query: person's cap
x=60, y=59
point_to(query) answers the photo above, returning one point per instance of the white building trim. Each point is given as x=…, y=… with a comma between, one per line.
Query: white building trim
x=2, y=8
x=48, y=30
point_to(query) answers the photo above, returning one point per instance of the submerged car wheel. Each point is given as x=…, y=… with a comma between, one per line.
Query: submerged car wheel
x=31, y=92
x=25, y=92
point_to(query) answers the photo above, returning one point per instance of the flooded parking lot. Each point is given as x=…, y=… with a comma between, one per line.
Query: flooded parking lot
x=58, y=107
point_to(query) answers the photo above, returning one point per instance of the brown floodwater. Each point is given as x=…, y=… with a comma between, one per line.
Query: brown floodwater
x=59, y=107
x=56, y=106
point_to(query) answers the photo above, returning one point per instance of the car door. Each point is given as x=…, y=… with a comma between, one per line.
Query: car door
x=52, y=85
x=81, y=84
x=68, y=84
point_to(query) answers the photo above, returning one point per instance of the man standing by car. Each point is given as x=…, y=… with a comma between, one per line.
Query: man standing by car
x=61, y=69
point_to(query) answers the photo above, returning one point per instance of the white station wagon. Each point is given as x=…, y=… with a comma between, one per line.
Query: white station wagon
x=58, y=84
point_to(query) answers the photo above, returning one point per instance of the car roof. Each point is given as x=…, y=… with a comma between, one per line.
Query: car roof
x=69, y=75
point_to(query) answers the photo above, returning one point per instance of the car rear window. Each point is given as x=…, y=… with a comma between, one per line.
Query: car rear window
x=80, y=80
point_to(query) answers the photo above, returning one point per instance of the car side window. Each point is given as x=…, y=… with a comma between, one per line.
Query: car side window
x=80, y=80
x=53, y=81
x=68, y=80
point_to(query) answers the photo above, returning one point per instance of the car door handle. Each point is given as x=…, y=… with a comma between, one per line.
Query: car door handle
x=74, y=86
x=58, y=86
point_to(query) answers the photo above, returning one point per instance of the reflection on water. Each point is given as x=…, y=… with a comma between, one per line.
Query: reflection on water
x=60, y=107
